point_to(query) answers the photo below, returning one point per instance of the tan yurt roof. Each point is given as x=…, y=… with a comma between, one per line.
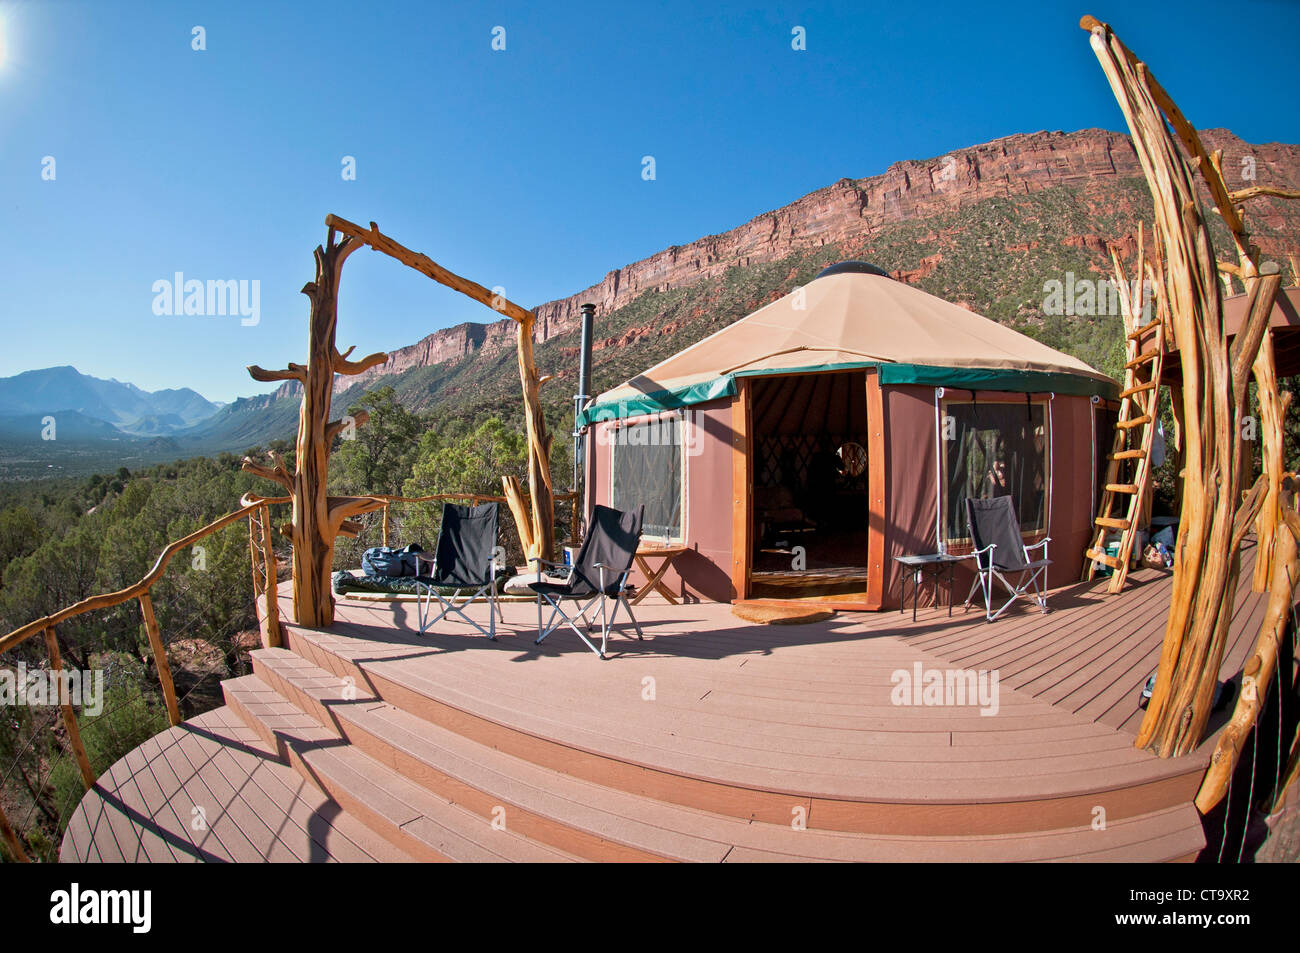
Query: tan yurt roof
x=854, y=315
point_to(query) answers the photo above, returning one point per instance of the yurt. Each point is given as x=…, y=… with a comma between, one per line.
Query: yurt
x=797, y=452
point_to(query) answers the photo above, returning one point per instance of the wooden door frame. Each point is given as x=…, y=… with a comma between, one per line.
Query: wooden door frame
x=877, y=521
x=742, y=494
x=742, y=490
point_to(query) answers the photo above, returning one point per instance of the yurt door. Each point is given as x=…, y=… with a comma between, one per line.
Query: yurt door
x=812, y=501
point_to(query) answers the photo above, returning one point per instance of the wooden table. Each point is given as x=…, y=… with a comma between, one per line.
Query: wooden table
x=654, y=577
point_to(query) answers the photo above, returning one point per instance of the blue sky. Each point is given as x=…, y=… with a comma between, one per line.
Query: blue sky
x=520, y=168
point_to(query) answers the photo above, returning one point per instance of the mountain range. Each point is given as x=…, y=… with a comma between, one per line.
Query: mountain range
x=986, y=226
x=125, y=407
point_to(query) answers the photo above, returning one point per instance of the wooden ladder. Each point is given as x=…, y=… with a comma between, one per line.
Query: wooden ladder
x=1139, y=413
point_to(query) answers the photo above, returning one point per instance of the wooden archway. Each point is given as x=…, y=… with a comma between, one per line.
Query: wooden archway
x=317, y=517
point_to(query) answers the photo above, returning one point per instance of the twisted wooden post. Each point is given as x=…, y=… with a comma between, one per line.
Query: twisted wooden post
x=1262, y=664
x=255, y=556
x=270, y=587
x=69, y=713
x=541, y=491
x=160, y=658
x=317, y=517
x=1214, y=393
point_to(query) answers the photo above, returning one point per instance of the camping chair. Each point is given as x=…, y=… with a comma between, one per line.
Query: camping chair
x=464, y=559
x=1000, y=550
x=599, y=574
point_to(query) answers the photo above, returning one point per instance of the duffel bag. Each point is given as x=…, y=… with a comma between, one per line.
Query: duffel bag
x=386, y=561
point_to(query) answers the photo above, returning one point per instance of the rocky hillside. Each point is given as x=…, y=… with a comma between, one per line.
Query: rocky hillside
x=986, y=227
x=1063, y=195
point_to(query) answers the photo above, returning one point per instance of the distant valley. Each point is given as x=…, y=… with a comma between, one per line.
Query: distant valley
x=58, y=419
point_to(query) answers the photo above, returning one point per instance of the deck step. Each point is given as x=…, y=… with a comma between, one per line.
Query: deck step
x=218, y=761
x=522, y=724
x=691, y=768
x=600, y=823
x=597, y=822
x=425, y=826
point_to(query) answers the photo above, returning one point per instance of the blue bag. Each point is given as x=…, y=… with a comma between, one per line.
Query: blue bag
x=386, y=561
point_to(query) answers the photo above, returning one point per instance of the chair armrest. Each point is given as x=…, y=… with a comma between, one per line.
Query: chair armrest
x=975, y=554
x=619, y=576
x=539, y=559
x=1041, y=544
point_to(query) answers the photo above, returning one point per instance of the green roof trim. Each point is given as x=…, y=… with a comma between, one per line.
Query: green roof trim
x=980, y=378
x=656, y=401
x=961, y=378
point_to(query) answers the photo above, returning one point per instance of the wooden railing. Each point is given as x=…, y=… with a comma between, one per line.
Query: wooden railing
x=262, y=555
x=254, y=509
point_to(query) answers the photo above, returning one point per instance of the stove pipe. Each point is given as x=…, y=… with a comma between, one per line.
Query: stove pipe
x=581, y=398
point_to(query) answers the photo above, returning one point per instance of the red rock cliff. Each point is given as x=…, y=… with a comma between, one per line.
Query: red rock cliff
x=854, y=209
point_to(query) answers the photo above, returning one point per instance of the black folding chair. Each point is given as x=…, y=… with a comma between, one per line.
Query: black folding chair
x=1000, y=550
x=464, y=560
x=599, y=574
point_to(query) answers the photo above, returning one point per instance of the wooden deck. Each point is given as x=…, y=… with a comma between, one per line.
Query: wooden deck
x=710, y=740
x=211, y=790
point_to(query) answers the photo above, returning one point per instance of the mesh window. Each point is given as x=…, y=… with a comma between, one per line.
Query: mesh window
x=647, y=470
x=994, y=449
